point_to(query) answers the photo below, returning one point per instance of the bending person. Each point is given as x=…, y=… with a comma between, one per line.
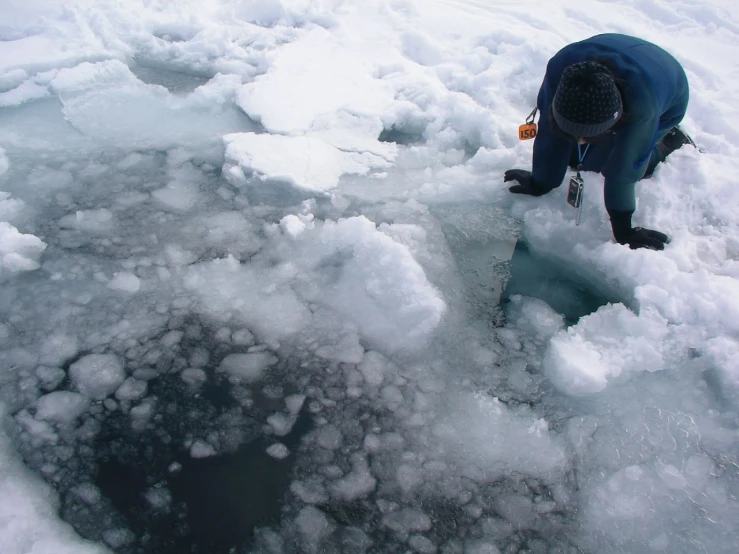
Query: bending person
x=611, y=104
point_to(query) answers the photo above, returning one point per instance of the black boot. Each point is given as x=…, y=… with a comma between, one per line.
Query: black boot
x=675, y=139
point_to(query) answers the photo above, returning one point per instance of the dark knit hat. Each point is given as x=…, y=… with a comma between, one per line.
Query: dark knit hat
x=587, y=102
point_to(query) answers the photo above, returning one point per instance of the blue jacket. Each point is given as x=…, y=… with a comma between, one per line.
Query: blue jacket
x=654, y=90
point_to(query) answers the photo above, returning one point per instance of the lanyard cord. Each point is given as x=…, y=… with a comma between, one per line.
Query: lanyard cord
x=581, y=157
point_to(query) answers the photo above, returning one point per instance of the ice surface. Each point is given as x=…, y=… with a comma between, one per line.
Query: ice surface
x=97, y=375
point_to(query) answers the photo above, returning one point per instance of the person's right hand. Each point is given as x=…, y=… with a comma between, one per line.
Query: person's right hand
x=635, y=237
x=645, y=238
x=526, y=183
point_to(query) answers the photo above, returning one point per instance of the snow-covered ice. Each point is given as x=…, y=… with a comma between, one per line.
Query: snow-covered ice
x=276, y=230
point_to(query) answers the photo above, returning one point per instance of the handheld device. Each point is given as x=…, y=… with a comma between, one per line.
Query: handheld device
x=575, y=194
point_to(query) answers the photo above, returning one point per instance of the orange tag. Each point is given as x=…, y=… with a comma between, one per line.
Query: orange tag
x=527, y=131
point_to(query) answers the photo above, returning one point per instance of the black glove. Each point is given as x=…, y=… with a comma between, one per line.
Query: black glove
x=526, y=183
x=635, y=237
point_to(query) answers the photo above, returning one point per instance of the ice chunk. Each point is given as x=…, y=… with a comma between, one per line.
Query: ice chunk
x=40, y=431
x=200, y=449
x=310, y=491
x=193, y=376
x=4, y=163
x=407, y=520
x=118, y=538
x=146, y=115
x=534, y=316
x=178, y=195
x=258, y=298
x=97, y=375
x=319, y=75
x=357, y=483
x=294, y=403
x=25, y=92
x=131, y=390
x=159, y=498
x=61, y=407
x=88, y=493
x=480, y=546
x=143, y=411
x=9, y=208
x=603, y=345
x=329, y=437
x=50, y=377
x=370, y=279
x=487, y=438
x=91, y=221
x=518, y=510
x=281, y=424
x=278, y=451
x=125, y=282
x=58, y=348
x=19, y=252
x=314, y=525
x=422, y=545
x=171, y=339
x=247, y=367
x=305, y=162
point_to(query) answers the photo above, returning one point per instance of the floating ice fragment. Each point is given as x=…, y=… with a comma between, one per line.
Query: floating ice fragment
x=58, y=348
x=19, y=252
x=407, y=520
x=200, y=449
x=159, y=498
x=281, y=424
x=91, y=221
x=247, y=367
x=329, y=437
x=356, y=484
x=88, y=493
x=313, y=524
x=278, y=451
x=193, y=376
x=294, y=403
x=50, y=377
x=97, y=375
x=61, y=407
x=125, y=282
x=131, y=389
x=480, y=546
x=118, y=538
x=310, y=490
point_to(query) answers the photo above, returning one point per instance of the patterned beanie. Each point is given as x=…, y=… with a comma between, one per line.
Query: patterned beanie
x=587, y=102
